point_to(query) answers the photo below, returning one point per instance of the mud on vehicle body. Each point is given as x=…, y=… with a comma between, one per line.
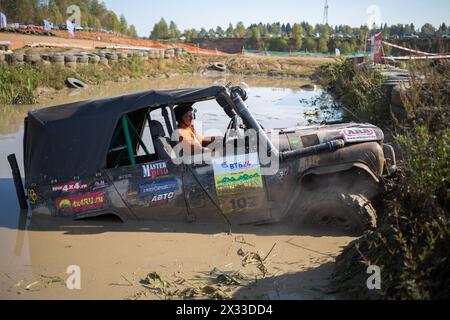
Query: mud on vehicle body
x=89, y=159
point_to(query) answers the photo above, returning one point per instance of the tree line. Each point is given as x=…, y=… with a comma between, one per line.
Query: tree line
x=298, y=36
x=93, y=13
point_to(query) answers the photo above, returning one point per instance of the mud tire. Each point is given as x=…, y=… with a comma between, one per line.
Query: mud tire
x=331, y=209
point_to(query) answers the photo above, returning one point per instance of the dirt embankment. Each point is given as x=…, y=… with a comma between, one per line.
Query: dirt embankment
x=237, y=64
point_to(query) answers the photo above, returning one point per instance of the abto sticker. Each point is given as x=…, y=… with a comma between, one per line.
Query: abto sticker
x=359, y=134
x=70, y=187
x=155, y=170
x=238, y=179
x=158, y=188
x=91, y=201
x=162, y=199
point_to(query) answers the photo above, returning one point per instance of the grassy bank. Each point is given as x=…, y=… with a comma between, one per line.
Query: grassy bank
x=412, y=242
x=18, y=84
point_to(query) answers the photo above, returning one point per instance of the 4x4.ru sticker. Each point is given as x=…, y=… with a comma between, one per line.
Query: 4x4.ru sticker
x=70, y=187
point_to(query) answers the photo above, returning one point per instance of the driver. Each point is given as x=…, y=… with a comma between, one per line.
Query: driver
x=188, y=136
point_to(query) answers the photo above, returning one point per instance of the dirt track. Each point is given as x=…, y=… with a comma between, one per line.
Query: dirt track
x=20, y=40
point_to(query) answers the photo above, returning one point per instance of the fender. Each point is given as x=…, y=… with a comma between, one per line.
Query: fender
x=319, y=171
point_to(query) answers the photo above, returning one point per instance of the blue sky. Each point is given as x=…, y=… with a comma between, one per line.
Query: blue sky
x=203, y=13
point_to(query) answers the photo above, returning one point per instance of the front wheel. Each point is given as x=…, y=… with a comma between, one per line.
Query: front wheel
x=334, y=209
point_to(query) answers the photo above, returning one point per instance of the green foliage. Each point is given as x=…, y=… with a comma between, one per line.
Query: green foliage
x=17, y=85
x=278, y=44
x=160, y=30
x=412, y=242
x=359, y=91
x=240, y=30
x=310, y=45
x=296, y=37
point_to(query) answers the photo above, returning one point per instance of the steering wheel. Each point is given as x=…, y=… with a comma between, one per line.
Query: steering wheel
x=235, y=130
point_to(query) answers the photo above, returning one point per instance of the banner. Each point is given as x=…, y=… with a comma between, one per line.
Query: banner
x=377, y=47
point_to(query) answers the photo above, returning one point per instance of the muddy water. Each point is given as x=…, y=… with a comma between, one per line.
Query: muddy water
x=36, y=252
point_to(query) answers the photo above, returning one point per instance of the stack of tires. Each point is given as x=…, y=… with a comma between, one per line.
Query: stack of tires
x=396, y=88
x=94, y=59
x=4, y=46
x=139, y=55
x=122, y=55
x=112, y=57
x=169, y=54
x=32, y=58
x=153, y=54
x=70, y=61
x=179, y=51
x=82, y=60
x=46, y=59
x=57, y=60
x=15, y=58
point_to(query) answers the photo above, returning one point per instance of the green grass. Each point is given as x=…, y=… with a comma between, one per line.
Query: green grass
x=18, y=83
x=361, y=92
x=412, y=242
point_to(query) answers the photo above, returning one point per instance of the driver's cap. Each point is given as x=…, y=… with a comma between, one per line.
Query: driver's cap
x=181, y=110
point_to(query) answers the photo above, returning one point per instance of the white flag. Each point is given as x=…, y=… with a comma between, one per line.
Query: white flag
x=70, y=28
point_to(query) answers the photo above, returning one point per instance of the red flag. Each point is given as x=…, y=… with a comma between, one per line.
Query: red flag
x=377, y=47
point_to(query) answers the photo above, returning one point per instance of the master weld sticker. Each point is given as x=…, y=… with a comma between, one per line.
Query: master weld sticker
x=154, y=170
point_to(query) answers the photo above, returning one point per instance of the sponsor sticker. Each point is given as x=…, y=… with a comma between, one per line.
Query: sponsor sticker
x=155, y=170
x=359, y=134
x=100, y=185
x=70, y=187
x=123, y=177
x=238, y=176
x=32, y=195
x=158, y=188
x=91, y=201
x=162, y=199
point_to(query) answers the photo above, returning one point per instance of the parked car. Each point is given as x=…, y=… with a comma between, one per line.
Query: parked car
x=81, y=160
x=446, y=36
x=410, y=36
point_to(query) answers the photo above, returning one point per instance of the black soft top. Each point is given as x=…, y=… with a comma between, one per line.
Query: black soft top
x=73, y=140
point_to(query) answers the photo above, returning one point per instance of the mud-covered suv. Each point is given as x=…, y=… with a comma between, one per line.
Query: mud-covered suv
x=89, y=159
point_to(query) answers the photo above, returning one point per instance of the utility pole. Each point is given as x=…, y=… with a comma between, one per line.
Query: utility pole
x=325, y=13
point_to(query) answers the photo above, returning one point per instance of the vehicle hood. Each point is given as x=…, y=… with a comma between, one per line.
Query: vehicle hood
x=303, y=137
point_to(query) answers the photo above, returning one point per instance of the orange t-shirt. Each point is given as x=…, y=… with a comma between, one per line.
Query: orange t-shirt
x=190, y=137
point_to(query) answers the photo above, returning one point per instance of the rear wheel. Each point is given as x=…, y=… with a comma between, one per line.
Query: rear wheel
x=332, y=208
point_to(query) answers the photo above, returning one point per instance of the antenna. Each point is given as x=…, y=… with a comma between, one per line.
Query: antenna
x=325, y=13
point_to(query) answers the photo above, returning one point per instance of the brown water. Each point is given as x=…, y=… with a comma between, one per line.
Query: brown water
x=113, y=257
